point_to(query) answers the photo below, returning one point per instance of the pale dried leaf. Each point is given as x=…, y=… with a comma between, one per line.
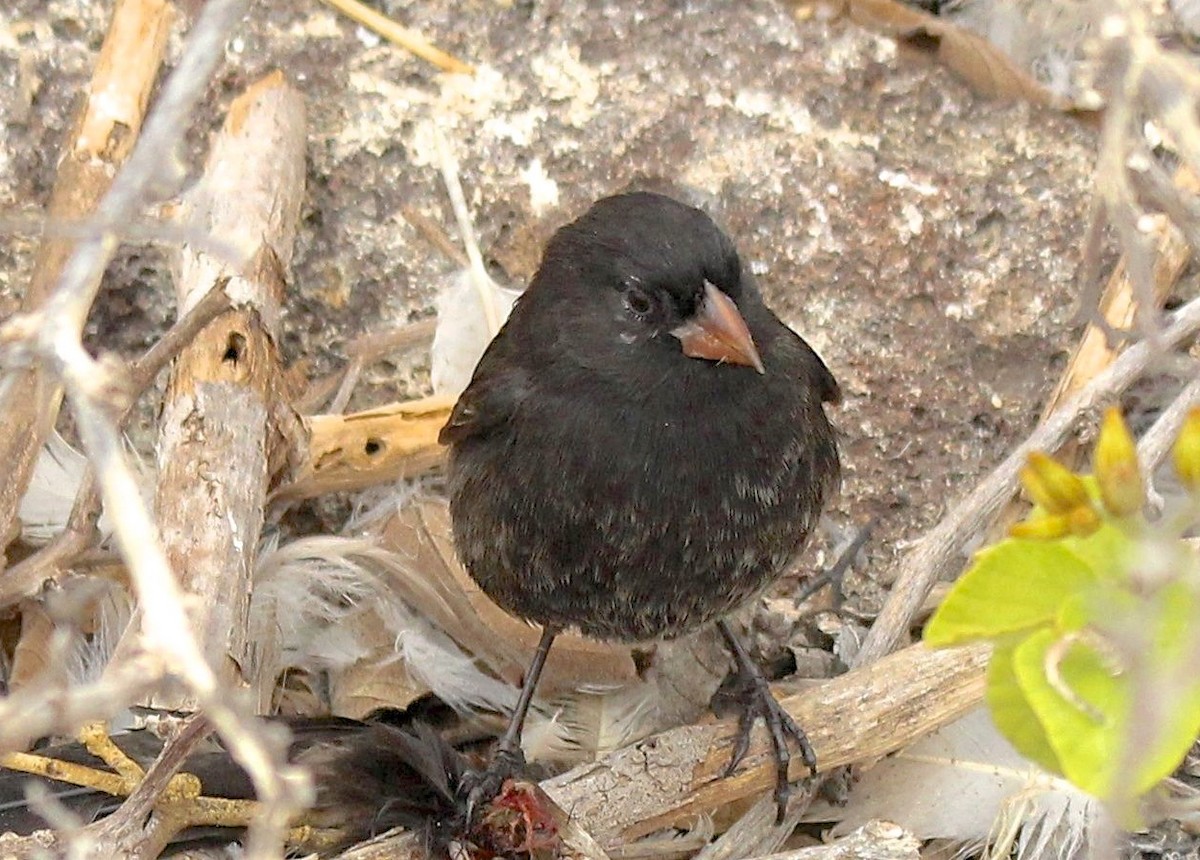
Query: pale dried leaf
x=447, y=596
x=987, y=69
x=368, y=686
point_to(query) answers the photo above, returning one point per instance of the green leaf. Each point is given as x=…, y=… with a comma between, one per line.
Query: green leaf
x=1012, y=714
x=1106, y=551
x=1066, y=706
x=1169, y=719
x=1078, y=704
x=1011, y=587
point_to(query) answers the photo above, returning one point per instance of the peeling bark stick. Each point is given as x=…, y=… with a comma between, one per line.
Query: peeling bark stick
x=101, y=139
x=216, y=432
x=349, y=452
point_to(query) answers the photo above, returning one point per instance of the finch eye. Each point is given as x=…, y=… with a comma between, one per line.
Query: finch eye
x=638, y=302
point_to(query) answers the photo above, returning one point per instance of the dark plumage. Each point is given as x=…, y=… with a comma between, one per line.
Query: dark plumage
x=643, y=446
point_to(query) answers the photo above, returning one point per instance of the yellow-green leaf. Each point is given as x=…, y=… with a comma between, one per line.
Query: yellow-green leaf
x=1169, y=719
x=1012, y=714
x=1077, y=703
x=1106, y=551
x=1013, y=586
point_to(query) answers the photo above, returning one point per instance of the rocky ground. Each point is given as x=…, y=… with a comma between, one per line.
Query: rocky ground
x=924, y=239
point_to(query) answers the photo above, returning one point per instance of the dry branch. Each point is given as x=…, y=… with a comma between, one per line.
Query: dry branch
x=1119, y=309
x=350, y=452
x=34, y=656
x=160, y=802
x=79, y=535
x=53, y=338
x=1157, y=442
x=100, y=140
x=216, y=430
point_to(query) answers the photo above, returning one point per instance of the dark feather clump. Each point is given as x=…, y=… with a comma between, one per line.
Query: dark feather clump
x=370, y=778
x=387, y=777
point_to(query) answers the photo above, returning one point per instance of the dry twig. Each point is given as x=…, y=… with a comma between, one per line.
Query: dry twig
x=934, y=554
x=79, y=534
x=104, y=132
x=53, y=339
x=408, y=39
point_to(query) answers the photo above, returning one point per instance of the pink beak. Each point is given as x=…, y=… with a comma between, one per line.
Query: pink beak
x=718, y=332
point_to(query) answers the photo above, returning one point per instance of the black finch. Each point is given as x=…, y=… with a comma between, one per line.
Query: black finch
x=643, y=447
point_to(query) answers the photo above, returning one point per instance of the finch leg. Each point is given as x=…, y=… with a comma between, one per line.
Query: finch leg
x=508, y=761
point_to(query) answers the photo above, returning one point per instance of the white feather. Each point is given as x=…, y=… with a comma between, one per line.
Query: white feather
x=435, y=660
x=308, y=593
x=305, y=592
x=966, y=783
x=472, y=307
x=590, y=723
x=462, y=332
x=57, y=474
x=375, y=504
x=47, y=503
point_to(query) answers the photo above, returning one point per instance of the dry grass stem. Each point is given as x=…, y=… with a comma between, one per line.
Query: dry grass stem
x=408, y=39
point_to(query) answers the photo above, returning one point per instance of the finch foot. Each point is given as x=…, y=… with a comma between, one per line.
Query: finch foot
x=757, y=700
x=480, y=787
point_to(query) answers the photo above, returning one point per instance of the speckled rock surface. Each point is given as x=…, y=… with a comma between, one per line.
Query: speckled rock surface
x=922, y=238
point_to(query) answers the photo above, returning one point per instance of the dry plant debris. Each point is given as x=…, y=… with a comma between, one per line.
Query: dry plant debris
x=934, y=233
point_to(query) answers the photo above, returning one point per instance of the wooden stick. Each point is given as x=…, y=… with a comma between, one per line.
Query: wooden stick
x=39, y=710
x=215, y=433
x=674, y=778
x=103, y=134
x=350, y=452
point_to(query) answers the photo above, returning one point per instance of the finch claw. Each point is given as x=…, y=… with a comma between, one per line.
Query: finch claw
x=758, y=701
x=480, y=787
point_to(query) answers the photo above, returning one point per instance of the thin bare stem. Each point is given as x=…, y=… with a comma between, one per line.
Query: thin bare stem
x=407, y=38
x=1156, y=442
